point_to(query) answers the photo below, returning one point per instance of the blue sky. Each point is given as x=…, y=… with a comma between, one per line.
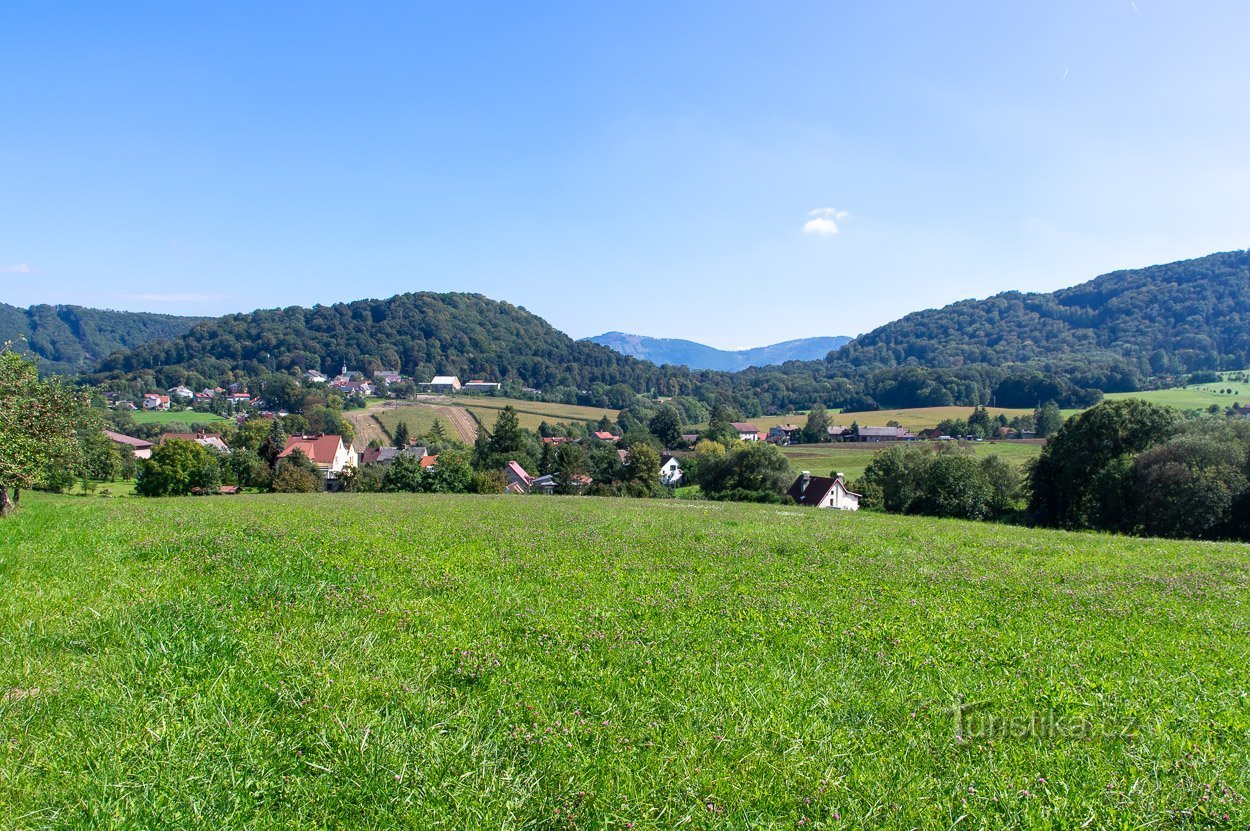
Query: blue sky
x=734, y=173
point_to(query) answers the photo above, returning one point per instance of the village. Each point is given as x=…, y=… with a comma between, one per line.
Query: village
x=337, y=458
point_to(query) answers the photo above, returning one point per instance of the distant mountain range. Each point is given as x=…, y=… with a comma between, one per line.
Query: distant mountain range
x=678, y=352
x=71, y=339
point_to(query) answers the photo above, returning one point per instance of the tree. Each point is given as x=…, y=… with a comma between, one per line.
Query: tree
x=752, y=471
x=570, y=465
x=894, y=479
x=506, y=442
x=816, y=429
x=437, y=434
x=273, y=445
x=644, y=469
x=665, y=425
x=454, y=474
x=955, y=486
x=175, y=467
x=404, y=476
x=401, y=434
x=248, y=469
x=297, y=474
x=1062, y=476
x=37, y=426
x=1047, y=419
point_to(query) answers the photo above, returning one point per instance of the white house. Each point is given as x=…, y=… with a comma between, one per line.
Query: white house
x=312, y=376
x=152, y=401
x=670, y=470
x=443, y=383
x=181, y=391
x=823, y=492
x=327, y=452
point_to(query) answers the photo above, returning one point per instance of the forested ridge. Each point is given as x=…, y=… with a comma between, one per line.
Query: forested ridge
x=71, y=339
x=1118, y=332
x=1180, y=317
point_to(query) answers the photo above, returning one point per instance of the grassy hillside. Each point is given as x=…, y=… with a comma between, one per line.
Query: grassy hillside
x=1196, y=397
x=466, y=662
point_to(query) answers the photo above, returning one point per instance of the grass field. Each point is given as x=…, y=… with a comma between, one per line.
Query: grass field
x=175, y=416
x=466, y=662
x=853, y=458
x=530, y=414
x=918, y=418
x=1197, y=397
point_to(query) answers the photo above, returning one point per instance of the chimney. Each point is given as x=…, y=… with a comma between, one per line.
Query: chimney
x=807, y=479
x=840, y=475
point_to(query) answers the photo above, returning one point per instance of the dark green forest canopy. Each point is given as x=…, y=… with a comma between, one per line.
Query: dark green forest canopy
x=73, y=339
x=1180, y=317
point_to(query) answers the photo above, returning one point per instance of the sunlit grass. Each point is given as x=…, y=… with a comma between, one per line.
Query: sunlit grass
x=367, y=661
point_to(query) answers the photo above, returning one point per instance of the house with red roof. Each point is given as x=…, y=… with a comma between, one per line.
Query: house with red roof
x=746, y=431
x=327, y=452
x=141, y=448
x=518, y=480
x=153, y=401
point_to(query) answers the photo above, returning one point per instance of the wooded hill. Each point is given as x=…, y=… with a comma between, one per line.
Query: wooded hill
x=1179, y=317
x=72, y=339
x=1111, y=334
x=421, y=334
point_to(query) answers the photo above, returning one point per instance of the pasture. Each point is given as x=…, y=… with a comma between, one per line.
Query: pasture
x=175, y=417
x=852, y=458
x=1197, y=397
x=367, y=661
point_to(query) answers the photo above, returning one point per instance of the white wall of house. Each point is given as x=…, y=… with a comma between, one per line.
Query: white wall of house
x=840, y=498
x=670, y=473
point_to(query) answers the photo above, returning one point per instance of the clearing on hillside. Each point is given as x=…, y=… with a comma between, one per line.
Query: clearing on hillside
x=377, y=661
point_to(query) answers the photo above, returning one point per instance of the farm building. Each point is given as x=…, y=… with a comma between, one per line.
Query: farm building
x=442, y=383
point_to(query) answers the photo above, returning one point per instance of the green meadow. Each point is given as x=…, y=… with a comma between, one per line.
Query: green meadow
x=175, y=417
x=1197, y=397
x=852, y=458
x=369, y=661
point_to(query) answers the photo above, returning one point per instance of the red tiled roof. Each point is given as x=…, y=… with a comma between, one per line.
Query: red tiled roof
x=320, y=449
x=520, y=473
x=745, y=427
x=124, y=439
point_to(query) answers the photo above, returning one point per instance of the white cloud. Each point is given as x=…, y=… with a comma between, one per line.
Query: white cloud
x=174, y=298
x=824, y=221
x=17, y=268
